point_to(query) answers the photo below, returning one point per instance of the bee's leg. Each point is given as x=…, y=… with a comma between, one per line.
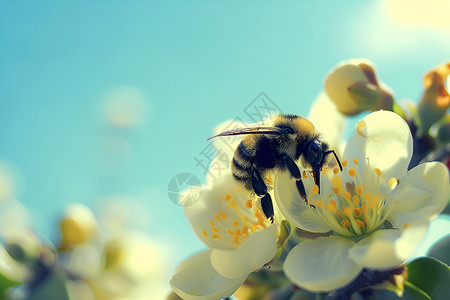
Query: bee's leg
x=295, y=172
x=260, y=189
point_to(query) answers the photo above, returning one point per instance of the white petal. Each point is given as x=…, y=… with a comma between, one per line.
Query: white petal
x=327, y=120
x=197, y=279
x=387, y=248
x=322, y=264
x=292, y=206
x=253, y=253
x=212, y=201
x=384, y=140
x=421, y=195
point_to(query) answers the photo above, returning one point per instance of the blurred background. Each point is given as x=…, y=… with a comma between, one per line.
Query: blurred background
x=104, y=103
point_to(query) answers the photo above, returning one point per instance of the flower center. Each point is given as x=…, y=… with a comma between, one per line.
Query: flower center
x=357, y=206
x=235, y=221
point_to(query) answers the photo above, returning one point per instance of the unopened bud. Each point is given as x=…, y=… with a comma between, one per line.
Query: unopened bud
x=354, y=88
x=436, y=99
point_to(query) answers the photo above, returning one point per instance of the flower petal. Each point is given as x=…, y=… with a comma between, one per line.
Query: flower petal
x=327, y=120
x=292, y=206
x=387, y=248
x=382, y=139
x=421, y=195
x=204, y=213
x=322, y=264
x=253, y=253
x=197, y=279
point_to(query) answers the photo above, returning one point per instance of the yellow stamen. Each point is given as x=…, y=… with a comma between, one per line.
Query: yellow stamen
x=378, y=171
x=360, y=223
x=359, y=190
x=347, y=196
x=222, y=214
x=331, y=206
x=217, y=217
x=215, y=236
x=351, y=172
x=214, y=228
x=205, y=234
x=406, y=225
x=304, y=175
x=345, y=163
x=248, y=204
x=355, y=161
x=347, y=211
x=364, y=209
x=355, y=199
x=228, y=196
x=367, y=197
x=357, y=212
x=393, y=182
x=335, y=189
x=230, y=232
x=314, y=190
x=236, y=239
x=235, y=223
x=335, y=170
x=346, y=223
x=374, y=201
x=360, y=128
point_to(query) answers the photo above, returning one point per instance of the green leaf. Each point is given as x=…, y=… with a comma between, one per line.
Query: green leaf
x=6, y=283
x=426, y=273
x=441, y=250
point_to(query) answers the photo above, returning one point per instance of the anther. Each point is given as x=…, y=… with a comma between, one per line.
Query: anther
x=352, y=172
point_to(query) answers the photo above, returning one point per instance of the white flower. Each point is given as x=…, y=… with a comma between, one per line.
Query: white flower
x=374, y=212
x=239, y=237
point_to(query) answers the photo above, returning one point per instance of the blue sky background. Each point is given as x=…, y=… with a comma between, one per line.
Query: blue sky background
x=190, y=65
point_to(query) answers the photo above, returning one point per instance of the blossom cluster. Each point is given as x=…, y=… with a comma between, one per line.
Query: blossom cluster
x=369, y=216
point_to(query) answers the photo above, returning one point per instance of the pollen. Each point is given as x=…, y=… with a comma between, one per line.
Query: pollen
x=357, y=212
x=248, y=204
x=331, y=206
x=367, y=197
x=360, y=223
x=355, y=199
x=314, y=190
x=222, y=214
x=406, y=225
x=345, y=163
x=346, y=223
x=355, y=161
x=205, y=234
x=216, y=216
x=335, y=189
x=360, y=128
x=393, y=182
x=228, y=196
x=335, y=170
x=359, y=190
x=352, y=172
x=378, y=171
x=347, y=211
x=236, y=223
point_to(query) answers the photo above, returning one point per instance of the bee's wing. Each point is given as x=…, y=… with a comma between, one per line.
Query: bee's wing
x=251, y=130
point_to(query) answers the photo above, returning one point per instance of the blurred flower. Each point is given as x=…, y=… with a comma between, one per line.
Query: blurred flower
x=78, y=226
x=353, y=87
x=371, y=215
x=226, y=220
x=126, y=107
x=436, y=99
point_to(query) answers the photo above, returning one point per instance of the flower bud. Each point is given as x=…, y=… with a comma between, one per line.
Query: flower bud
x=354, y=88
x=77, y=227
x=436, y=99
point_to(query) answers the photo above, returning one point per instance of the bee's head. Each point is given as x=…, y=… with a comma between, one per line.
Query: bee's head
x=315, y=156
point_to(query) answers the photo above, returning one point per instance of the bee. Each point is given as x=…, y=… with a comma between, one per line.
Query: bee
x=278, y=147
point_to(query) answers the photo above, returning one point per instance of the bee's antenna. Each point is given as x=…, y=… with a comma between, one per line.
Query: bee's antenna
x=337, y=158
